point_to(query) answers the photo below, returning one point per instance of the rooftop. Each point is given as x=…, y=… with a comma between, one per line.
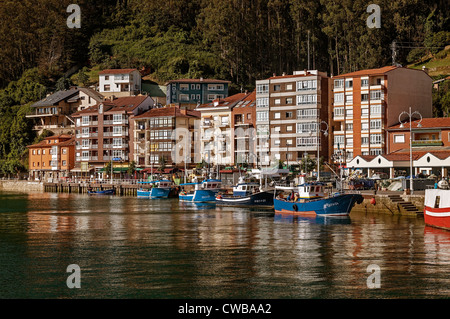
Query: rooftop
x=56, y=97
x=201, y=80
x=171, y=111
x=127, y=104
x=378, y=71
x=117, y=71
x=228, y=102
x=426, y=123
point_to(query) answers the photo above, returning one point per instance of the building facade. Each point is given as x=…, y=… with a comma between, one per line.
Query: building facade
x=120, y=82
x=290, y=110
x=193, y=92
x=53, y=157
x=217, y=142
x=161, y=135
x=104, y=133
x=365, y=103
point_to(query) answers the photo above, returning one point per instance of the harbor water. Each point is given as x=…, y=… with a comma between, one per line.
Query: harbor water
x=128, y=247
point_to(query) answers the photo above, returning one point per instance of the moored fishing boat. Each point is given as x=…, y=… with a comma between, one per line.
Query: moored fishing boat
x=101, y=191
x=437, y=208
x=155, y=189
x=204, y=191
x=310, y=199
x=246, y=194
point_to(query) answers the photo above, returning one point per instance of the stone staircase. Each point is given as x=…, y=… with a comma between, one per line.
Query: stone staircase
x=403, y=206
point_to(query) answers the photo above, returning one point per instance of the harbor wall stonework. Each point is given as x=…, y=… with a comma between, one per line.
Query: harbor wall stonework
x=384, y=205
x=21, y=186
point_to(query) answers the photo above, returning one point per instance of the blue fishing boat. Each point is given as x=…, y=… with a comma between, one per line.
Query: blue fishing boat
x=101, y=192
x=204, y=191
x=246, y=194
x=310, y=199
x=155, y=189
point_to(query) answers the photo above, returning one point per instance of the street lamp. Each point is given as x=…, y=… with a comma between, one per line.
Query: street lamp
x=325, y=132
x=410, y=115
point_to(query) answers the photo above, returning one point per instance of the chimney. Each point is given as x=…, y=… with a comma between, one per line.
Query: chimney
x=201, y=79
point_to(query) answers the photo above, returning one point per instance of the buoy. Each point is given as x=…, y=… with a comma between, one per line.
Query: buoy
x=373, y=201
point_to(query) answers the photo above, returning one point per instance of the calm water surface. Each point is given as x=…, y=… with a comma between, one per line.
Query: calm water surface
x=137, y=248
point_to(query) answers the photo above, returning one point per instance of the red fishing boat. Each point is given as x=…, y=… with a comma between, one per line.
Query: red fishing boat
x=436, y=210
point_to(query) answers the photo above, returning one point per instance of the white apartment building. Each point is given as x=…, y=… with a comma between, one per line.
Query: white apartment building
x=119, y=82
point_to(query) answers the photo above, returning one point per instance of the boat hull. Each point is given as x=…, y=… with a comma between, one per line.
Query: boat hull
x=258, y=199
x=199, y=196
x=437, y=217
x=104, y=192
x=339, y=205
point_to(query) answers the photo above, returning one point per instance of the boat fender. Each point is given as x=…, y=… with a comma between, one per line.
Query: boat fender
x=219, y=197
x=294, y=207
x=373, y=201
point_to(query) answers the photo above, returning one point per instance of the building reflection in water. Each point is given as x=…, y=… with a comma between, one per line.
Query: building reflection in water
x=163, y=248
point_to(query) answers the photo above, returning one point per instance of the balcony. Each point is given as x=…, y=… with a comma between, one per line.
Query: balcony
x=421, y=143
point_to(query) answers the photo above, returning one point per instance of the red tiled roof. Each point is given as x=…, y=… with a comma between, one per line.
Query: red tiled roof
x=168, y=111
x=378, y=71
x=128, y=103
x=117, y=71
x=439, y=122
x=229, y=101
x=70, y=141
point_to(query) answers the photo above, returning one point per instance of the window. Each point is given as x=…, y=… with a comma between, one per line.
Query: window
x=349, y=141
x=262, y=102
x=307, y=85
x=262, y=116
x=117, y=118
x=277, y=115
x=364, y=82
x=64, y=150
x=375, y=151
x=85, y=120
x=339, y=111
x=364, y=97
x=262, y=130
x=215, y=87
x=288, y=115
x=349, y=112
x=64, y=163
x=306, y=113
x=34, y=152
x=306, y=141
x=376, y=139
x=262, y=88
x=106, y=88
x=306, y=127
x=375, y=109
x=185, y=97
x=288, y=100
x=375, y=124
x=376, y=95
x=117, y=130
x=364, y=126
x=339, y=139
x=349, y=98
x=364, y=112
x=289, y=128
x=277, y=101
x=349, y=126
x=338, y=97
x=43, y=152
x=106, y=77
x=192, y=86
x=349, y=84
x=306, y=99
x=277, y=87
x=364, y=140
x=339, y=84
x=399, y=138
x=277, y=128
x=288, y=87
x=184, y=87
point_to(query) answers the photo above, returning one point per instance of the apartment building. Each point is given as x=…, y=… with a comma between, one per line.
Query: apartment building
x=194, y=92
x=290, y=110
x=54, y=111
x=163, y=134
x=104, y=133
x=365, y=103
x=216, y=130
x=53, y=157
x=243, y=117
x=120, y=82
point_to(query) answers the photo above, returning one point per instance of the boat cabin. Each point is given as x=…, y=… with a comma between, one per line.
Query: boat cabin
x=311, y=190
x=243, y=189
x=211, y=184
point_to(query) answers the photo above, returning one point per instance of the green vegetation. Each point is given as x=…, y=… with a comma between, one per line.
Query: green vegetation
x=236, y=40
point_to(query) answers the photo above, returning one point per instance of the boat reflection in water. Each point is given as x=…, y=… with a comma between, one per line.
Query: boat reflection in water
x=318, y=219
x=189, y=206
